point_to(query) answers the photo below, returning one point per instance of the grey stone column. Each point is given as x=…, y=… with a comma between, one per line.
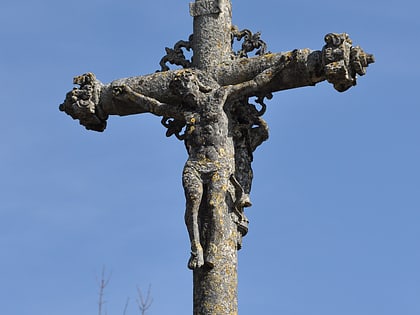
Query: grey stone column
x=212, y=32
x=215, y=290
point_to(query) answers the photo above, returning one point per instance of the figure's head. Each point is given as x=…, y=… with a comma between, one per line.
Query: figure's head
x=187, y=85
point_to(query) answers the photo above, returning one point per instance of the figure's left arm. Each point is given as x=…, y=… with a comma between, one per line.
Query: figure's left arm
x=339, y=62
x=257, y=84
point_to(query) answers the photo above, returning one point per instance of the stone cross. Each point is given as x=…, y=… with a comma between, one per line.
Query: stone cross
x=207, y=104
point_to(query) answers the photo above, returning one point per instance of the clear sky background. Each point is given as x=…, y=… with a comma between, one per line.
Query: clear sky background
x=335, y=223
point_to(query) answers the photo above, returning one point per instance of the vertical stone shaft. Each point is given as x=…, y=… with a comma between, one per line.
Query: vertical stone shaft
x=212, y=32
x=215, y=290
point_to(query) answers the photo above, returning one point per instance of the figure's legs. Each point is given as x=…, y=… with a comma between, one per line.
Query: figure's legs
x=193, y=188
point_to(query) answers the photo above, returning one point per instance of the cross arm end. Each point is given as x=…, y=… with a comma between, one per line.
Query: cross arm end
x=338, y=62
x=92, y=102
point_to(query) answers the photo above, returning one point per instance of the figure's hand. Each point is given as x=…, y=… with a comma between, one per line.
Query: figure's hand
x=265, y=77
x=279, y=66
x=268, y=74
x=119, y=90
x=342, y=62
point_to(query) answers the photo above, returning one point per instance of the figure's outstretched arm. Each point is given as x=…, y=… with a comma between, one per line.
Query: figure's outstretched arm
x=257, y=84
x=92, y=102
x=339, y=62
x=131, y=102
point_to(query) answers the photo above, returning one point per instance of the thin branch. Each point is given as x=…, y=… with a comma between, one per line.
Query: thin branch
x=144, y=303
x=126, y=306
x=102, y=283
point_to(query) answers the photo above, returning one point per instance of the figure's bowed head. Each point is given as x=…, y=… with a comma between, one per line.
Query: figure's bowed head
x=188, y=87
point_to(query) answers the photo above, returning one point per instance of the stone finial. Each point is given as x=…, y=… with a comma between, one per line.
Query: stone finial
x=81, y=103
x=343, y=62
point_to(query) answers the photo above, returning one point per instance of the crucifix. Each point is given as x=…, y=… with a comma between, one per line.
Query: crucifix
x=214, y=103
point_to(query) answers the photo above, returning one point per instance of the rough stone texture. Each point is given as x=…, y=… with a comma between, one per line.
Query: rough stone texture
x=212, y=33
x=207, y=105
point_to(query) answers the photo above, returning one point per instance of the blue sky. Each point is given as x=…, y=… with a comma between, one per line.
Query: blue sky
x=335, y=223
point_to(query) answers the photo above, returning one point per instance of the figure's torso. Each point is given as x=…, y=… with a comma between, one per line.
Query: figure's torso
x=207, y=133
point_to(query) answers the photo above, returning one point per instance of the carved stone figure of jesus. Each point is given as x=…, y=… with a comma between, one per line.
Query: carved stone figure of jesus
x=209, y=140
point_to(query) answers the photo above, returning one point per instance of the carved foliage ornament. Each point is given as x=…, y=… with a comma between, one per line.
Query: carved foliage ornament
x=342, y=62
x=251, y=42
x=80, y=103
x=175, y=56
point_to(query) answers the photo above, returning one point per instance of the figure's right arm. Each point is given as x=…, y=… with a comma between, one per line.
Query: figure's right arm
x=92, y=102
x=126, y=101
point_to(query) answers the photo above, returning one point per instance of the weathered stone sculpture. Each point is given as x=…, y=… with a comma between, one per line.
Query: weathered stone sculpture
x=207, y=105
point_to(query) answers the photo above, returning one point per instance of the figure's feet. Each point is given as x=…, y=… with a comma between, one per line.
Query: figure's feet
x=196, y=260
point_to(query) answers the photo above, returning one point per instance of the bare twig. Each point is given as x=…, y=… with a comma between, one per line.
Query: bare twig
x=144, y=303
x=102, y=283
x=126, y=306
